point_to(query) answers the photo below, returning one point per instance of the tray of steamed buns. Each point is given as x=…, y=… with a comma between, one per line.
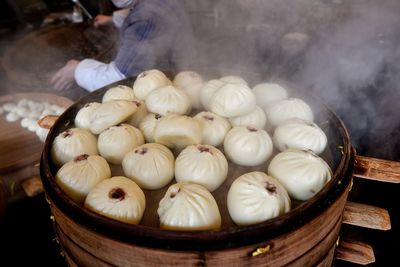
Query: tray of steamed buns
x=186, y=154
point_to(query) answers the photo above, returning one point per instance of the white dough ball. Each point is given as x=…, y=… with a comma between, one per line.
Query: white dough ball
x=193, y=92
x=300, y=134
x=269, y=93
x=71, y=143
x=256, y=197
x=9, y=107
x=148, y=124
x=23, y=103
x=191, y=82
x=301, y=172
x=188, y=207
x=232, y=100
x=208, y=90
x=12, y=116
x=111, y=113
x=25, y=122
x=23, y=112
x=60, y=110
x=119, y=92
x=46, y=111
x=78, y=176
x=53, y=107
x=168, y=100
x=35, y=115
x=233, y=79
x=147, y=81
x=118, y=198
x=32, y=125
x=139, y=115
x=177, y=131
x=36, y=106
x=42, y=133
x=46, y=105
x=185, y=78
x=248, y=146
x=82, y=118
x=115, y=142
x=255, y=118
x=201, y=164
x=288, y=109
x=213, y=127
x=150, y=165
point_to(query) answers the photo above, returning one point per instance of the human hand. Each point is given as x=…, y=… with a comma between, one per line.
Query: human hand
x=63, y=79
x=102, y=20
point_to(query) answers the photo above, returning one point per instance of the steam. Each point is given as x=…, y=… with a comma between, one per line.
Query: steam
x=353, y=68
x=347, y=52
x=344, y=51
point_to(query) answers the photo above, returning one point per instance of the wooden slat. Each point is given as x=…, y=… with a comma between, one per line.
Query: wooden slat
x=377, y=169
x=355, y=252
x=366, y=216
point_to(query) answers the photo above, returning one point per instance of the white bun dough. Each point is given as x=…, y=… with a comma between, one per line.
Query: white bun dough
x=150, y=165
x=214, y=127
x=232, y=99
x=300, y=134
x=177, y=131
x=148, y=124
x=78, y=176
x=140, y=113
x=256, y=197
x=269, y=93
x=201, y=164
x=168, y=100
x=118, y=198
x=255, y=118
x=115, y=142
x=72, y=143
x=119, y=92
x=147, y=81
x=188, y=207
x=82, y=118
x=208, y=90
x=111, y=113
x=287, y=109
x=248, y=146
x=301, y=172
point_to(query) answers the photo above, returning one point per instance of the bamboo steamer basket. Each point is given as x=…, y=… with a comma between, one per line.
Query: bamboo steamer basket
x=305, y=236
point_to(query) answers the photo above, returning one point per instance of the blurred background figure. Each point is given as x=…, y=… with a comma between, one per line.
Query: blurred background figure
x=154, y=34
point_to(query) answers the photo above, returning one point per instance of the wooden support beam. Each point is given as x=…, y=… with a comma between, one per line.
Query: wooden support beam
x=366, y=216
x=355, y=252
x=377, y=169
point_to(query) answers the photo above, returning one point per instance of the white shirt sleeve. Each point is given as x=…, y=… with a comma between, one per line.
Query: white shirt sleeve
x=119, y=16
x=92, y=74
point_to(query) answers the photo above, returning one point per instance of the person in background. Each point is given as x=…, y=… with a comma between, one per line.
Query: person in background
x=117, y=18
x=155, y=34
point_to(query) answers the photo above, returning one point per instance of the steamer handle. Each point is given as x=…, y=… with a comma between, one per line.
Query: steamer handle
x=377, y=169
x=48, y=121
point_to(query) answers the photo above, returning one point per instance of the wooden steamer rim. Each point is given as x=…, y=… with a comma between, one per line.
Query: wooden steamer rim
x=231, y=237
